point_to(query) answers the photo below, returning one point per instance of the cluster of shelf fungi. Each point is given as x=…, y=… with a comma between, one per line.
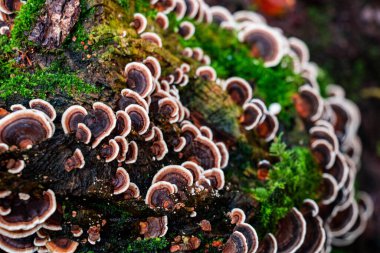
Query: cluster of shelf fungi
x=145, y=148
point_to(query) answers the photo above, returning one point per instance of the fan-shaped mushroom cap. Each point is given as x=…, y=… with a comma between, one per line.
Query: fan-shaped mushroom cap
x=101, y=121
x=220, y=15
x=207, y=73
x=43, y=106
x=265, y=42
x=132, y=153
x=159, y=195
x=239, y=90
x=179, y=144
x=216, y=177
x=139, y=22
x=159, y=149
x=190, y=132
x=329, y=189
x=309, y=103
x=19, y=234
x=324, y=153
x=25, y=128
x=154, y=66
x=268, y=244
x=152, y=38
x=162, y=20
x=206, y=153
x=344, y=218
x=325, y=133
x=198, y=53
x=15, y=166
x=72, y=117
x=268, y=128
x=250, y=235
x=224, y=154
x=252, y=116
x=121, y=181
x=93, y=234
x=250, y=16
x=186, y=30
x=83, y=133
x=10, y=6
x=194, y=168
x=206, y=132
x=62, y=245
x=30, y=213
x=291, y=232
x=123, y=124
x=139, y=118
x=192, y=8
x=3, y=148
x=24, y=245
x=76, y=230
x=169, y=108
x=180, y=9
x=17, y=107
x=76, y=161
x=123, y=148
x=339, y=170
x=139, y=78
x=154, y=227
x=110, y=151
x=236, y=244
x=133, y=191
x=301, y=50
x=176, y=175
x=237, y=216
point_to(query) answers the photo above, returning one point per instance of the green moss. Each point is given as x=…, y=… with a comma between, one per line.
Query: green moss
x=41, y=82
x=147, y=245
x=294, y=178
x=24, y=22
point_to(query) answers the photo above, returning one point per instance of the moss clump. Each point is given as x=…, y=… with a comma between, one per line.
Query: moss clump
x=294, y=178
x=24, y=22
x=147, y=245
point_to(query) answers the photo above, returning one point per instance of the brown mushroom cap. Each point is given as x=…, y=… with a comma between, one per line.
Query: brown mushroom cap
x=43, y=106
x=180, y=9
x=325, y=132
x=139, y=22
x=129, y=97
x=133, y=191
x=206, y=153
x=154, y=227
x=186, y=30
x=162, y=20
x=206, y=132
x=301, y=50
x=76, y=230
x=236, y=243
x=237, y=216
x=152, y=38
x=208, y=73
x=268, y=244
x=159, y=149
x=192, y=8
x=250, y=235
x=121, y=181
x=25, y=128
x=132, y=153
x=265, y=42
x=139, y=118
x=324, y=153
x=221, y=15
x=339, y=170
x=93, y=234
x=19, y=234
x=309, y=103
x=190, y=132
x=344, y=219
x=251, y=116
x=329, y=189
x=72, y=117
x=159, y=195
x=216, y=177
x=198, y=54
x=23, y=245
x=123, y=148
x=101, y=121
x=76, y=161
x=194, y=168
x=30, y=213
x=139, y=78
x=239, y=90
x=224, y=153
x=3, y=148
x=154, y=66
x=15, y=166
x=62, y=245
x=123, y=124
x=291, y=232
x=111, y=151
x=83, y=133
x=179, y=144
x=176, y=175
x=268, y=128
x=169, y=108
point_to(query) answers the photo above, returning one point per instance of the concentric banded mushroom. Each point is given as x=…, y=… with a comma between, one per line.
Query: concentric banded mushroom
x=72, y=117
x=123, y=124
x=194, y=169
x=324, y=153
x=344, y=219
x=291, y=232
x=268, y=244
x=216, y=177
x=111, y=151
x=121, y=181
x=154, y=227
x=268, y=128
x=139, y=78
x=207, y=73
x=180, y=9
x=159, y=149
x=123, y=148
x=251, y=116
x=132, y=153
x=236, y=244
x=43, y=106
x=160, y=195
x=265, y=42
x=192, y=8
x=25, y=128
x=62, y=245
x=83, y=133
x=225, y=155
x=139, y=22
x=153, y=38
x=239, y=90
x=301, y=50
x=139, y=118
x=329, y=189
x=206, y=153
x=237, y=216
x=154, y=66
x=176, y=175
x=250, y=235
x=186, y=30
x=339, y=170
x=133, y=191
x=169, y=108
x=101, y=121
x=15, y=166
x=76, y=161
x=309, y=103
x=221, y=15
x=17, y=245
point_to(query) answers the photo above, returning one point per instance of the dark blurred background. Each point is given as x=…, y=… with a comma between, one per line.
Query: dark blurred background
x=344, y=39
